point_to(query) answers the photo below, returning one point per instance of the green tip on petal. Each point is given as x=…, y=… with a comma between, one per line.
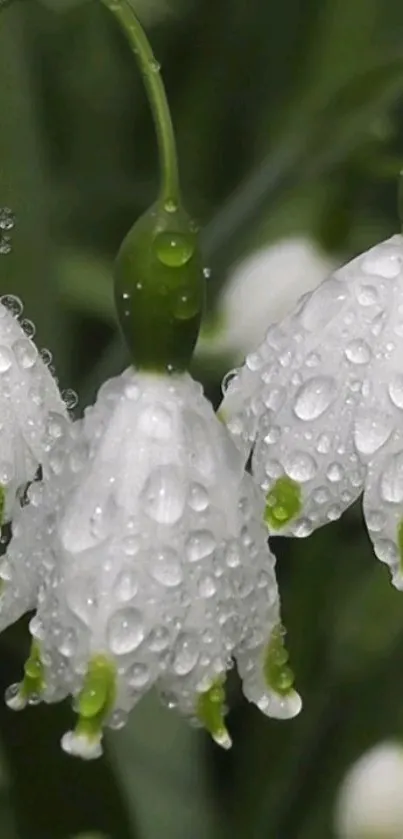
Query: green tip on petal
x=33, y=683
x=211, y=711
x=278, y=675
x=96, y=698
x=160, y=289
x=283, y=503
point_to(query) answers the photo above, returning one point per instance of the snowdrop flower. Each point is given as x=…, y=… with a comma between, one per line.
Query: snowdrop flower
x=28, y=397
x=321, y=403
x=262, y=289
x=370, y=802
x=155, y=567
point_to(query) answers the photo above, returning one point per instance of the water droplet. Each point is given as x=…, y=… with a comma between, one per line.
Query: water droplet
x=170, y=205
x=371, y=432
x=46, y=356
x=118, y=719
x=300, y=466
x=164, y=495
x=201, y=543
x=186, y=654
x=166, y=568
x=68, y=643
x=254, y=361
x=70, y=398
x=207, y=273
x=198, y=498
x=375, y=520
x=323, y=444
x=126, y=586
x=335, y=473
x=25, y=352
x=229, y=378
x=138, y=676
x=207, y=586
x=321, y=495
x=13, y=698
x=173, y=249
x=6, y=359
x=154, y=65
x=358, y=352
x=13, y=304
x=314, y=397
x=158, y=639
x=125, y=631
x=7, y=218
x=391, y=480
x=28, y=328
x=367, y=295
x=396, y=391
x=156, y=422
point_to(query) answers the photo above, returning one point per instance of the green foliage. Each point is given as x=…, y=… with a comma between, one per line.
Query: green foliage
x=288, y=118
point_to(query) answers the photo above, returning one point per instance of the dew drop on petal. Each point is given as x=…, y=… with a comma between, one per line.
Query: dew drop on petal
x=186, y=654
x=126, y=586
x=396, y=391
x=70, y=398
x=125, y=631
x=13, y=304
x=323, y=304
x=164, y=495
x=371, y=432
x=391, y=480
x=300, y=466
x=166, y=568
x=6, y=359
x=138, y=676
x=358, y=352
x=198, y=498
x=25, y=352
x=314, y=397
x=201, y=543
x=158, y=639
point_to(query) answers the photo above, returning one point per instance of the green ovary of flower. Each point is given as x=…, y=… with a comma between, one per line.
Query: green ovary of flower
x=277, y=674
x=159, y=290
x=283, y=503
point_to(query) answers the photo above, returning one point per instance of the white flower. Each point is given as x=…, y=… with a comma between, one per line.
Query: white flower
x=262, y=289
x=370, y=802
x=28, y=396
x=321, y=402
x=155, y=568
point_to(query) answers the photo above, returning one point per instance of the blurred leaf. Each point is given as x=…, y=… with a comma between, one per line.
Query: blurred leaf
x=159, y=761
x=85, y=284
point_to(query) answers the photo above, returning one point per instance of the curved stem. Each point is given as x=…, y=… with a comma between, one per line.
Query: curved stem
x=170, y=190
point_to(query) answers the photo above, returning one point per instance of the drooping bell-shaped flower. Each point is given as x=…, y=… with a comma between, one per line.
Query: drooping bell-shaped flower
x=321, y=405
x=262, y=289
x=29, y=397
x=155, y=565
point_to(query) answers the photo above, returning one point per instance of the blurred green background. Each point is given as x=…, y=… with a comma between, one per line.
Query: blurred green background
x=289, y=120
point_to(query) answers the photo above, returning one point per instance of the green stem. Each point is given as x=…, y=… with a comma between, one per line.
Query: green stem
x=170, y=190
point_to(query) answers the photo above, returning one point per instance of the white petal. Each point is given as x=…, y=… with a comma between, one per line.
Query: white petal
x=261, y=290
